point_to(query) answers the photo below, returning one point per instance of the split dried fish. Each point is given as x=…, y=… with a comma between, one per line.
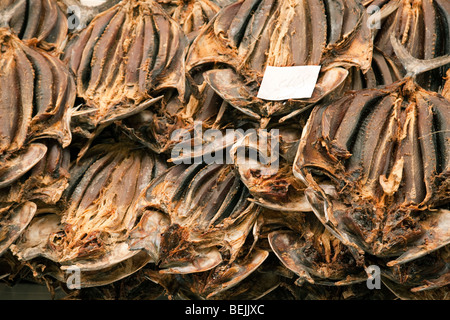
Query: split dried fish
x=383, y=71
x=193, y=218
x=124, y=61
x=91, y=230
x=134, y=149
x=422, y=27
x=43, y=20
x=424, y=277
x=385, y=152
x=81, y=13
x=219, y=282
x=263, y=160
x=154, y=127
x=247, y=36
x=305, y=247
x=39, y=190
x=169, y=122
x=192, y=16
x=37, y=93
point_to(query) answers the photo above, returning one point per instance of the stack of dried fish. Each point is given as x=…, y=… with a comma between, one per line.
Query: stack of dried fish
x=136, y=160
x=37, y=94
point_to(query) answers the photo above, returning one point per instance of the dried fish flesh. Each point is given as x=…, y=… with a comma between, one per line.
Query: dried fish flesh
x=422, y=27
x=193, y=217
x=124, y=61
x=91, y=230
x=247, y=36
x=192, y=16
x=385, y=152
x=263, y=160
x=43, y=20
x=36, y=96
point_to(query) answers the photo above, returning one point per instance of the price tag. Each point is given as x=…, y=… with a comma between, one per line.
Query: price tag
x=92, y=3
x=282, y=83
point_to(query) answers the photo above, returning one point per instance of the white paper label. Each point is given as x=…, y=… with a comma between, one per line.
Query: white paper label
x=92, y=3
x=282, y=83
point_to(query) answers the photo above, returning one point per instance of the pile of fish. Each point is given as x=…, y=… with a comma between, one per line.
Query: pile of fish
x=138, y=162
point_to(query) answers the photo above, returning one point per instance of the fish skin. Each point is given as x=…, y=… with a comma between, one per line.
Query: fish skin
x=131, y=41
x=250, y=35
x=393, y=175
x=42, y=20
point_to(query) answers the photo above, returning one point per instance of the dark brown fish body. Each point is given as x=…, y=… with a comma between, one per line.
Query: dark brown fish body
x=192, y=16
x=43, y=20
x=97, y=215
x=137, y=159
x=316, y=255
x=386, y=153
x=125, y=58
x=422, y=27
x=37, y=93
x=427, y=277
x=162, y=126
x=194, y=217
x=383, y=71
x=154, y=126
x=263, y=160
x=228, y=280
x=247, y=36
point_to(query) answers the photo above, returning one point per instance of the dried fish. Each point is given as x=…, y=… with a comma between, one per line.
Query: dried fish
x=125, y=60
x=37, y=93
x=165, y=124
x=137, y=159
x=383, y=71
x=263, y=160
x=80, y=13
x=91, y=230
x=245, y=37
x=306, y=248
x=192, y=16
x=193, y=218
x=43, y=20
x=385, y=152
x=422, y=27
x=317, y=257
x=155, y=126
x=421, y=278
x=219, y=282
